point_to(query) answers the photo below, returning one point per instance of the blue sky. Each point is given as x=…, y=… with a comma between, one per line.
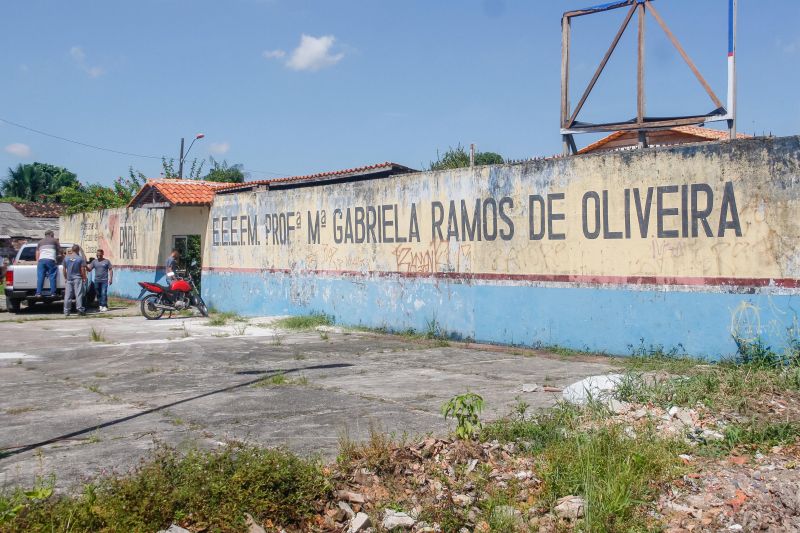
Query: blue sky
x=295, y=86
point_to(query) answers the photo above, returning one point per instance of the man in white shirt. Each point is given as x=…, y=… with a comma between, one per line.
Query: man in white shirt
x=47, y=252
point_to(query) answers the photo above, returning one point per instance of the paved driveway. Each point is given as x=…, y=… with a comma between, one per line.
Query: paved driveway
x=77, y=407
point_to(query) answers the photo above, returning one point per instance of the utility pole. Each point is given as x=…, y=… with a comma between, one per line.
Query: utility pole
x=180, y=162
x=732, y=22
x=472, y=155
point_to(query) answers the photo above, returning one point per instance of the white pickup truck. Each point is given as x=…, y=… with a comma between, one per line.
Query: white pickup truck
x=21, y=280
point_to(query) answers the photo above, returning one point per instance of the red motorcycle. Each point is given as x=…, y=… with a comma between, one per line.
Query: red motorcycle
x=181, y=294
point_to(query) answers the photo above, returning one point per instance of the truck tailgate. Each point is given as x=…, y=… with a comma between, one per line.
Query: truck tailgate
x=25, y=276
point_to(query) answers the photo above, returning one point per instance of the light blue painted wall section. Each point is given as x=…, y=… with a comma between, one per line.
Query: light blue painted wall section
x=610, y=320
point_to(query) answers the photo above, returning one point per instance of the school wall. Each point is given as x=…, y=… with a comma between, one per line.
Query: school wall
x=130, y=238
x=683, y=247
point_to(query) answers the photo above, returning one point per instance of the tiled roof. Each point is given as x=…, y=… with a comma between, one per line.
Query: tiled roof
x=702, y=134
x=367, y=169
x=181, y=192
x=35, y=210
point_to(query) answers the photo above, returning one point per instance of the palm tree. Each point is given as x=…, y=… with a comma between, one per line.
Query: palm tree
x=34, y=180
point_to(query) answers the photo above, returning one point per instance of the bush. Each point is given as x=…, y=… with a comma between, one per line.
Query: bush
x=207, y=490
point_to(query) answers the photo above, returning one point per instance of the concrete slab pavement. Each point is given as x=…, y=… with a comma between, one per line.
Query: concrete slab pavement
x=77, y=408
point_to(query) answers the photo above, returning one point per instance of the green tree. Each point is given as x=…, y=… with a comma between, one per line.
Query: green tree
x=168, y=167
x=37, y=181
x=81, y=198
x=224, y=173
x=458, y=157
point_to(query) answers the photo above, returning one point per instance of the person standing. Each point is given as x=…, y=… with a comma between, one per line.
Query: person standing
x=47, y=251
x=103, y=277
x=75, y=277
x=172, y=264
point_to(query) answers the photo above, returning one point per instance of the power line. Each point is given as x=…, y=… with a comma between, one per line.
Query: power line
x=78, y=142
x=282, y=174
x=87, y=145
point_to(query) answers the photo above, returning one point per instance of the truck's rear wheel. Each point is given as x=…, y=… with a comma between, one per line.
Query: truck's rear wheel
x=149, y=309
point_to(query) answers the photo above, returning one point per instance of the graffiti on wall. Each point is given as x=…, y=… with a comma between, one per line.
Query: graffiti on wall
x=118, y=232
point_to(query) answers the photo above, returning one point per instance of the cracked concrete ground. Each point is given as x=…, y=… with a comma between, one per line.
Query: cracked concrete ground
x=76, y=408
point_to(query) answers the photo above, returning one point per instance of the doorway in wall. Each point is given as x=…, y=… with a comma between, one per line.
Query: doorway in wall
x=189, y=247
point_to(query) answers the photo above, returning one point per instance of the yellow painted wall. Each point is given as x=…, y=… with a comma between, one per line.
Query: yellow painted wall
x=129, y=237
x=753, y=227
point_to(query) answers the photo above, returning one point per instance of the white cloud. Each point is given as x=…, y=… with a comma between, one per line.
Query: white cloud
x=19, y=150
x=312, y=54
x=79, y=57
x=219, y=148
x=274, y=54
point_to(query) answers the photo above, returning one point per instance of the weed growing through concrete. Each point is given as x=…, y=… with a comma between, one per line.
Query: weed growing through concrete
x=221, y=319
x=97, y=335
x=281, y=380
x=239, y=329
x=305, y=322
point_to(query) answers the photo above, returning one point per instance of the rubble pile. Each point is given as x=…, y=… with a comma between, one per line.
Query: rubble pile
x=433, y=474
x=737, y=493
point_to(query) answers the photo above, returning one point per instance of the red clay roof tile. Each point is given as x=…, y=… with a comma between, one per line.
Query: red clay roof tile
x=181, y=192
x=702, y=134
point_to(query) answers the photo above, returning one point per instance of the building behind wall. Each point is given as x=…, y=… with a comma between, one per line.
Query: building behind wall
x=24, y=223
x=164, y=214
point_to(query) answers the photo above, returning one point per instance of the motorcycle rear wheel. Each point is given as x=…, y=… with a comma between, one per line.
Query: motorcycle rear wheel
x=201, y=306
x=149, y=309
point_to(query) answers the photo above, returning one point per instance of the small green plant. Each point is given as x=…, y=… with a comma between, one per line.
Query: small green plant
x=239, y=329
x=97, y=335
x=277, y=379
x=220, y=319
x=17, y=501
x=756, y=353
x=305, y=322
x=465, y=408
x=433, y=329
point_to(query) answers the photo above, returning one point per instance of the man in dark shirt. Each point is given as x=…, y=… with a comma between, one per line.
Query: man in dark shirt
x=103, y=277
x=47, y=252
x=74, y=278
x=172, y=264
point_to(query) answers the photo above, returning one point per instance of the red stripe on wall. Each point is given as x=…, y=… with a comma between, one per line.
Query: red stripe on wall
x=790, y=283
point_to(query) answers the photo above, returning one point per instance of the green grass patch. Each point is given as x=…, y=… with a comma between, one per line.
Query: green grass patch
x=305, y=322
x=753, y=435
x=97, y=335
x=737, y=384
x=618, y=475
x=221, y=319
x=281, y=380
x=614, y=473
x=209, y=491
